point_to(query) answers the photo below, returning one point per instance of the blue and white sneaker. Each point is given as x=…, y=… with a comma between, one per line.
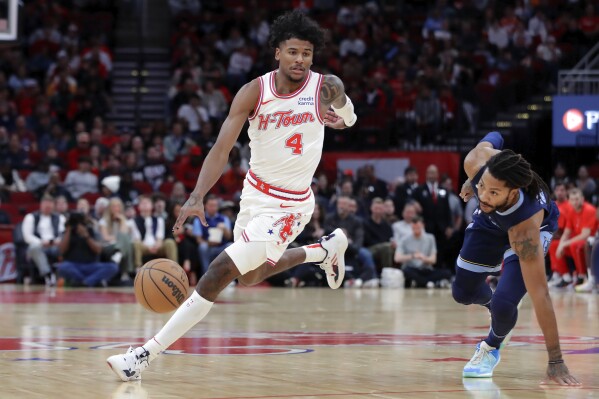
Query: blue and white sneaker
x=485, y=359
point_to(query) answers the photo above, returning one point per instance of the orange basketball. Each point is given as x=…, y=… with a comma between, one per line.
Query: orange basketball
x=161, y=285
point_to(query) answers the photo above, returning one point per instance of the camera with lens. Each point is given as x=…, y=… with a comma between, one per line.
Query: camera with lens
x=74, y=219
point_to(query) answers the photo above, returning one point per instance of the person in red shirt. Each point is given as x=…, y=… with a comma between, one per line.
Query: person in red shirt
x=82, y=149
x=589, y=23
x=188, y=169
x=558, y=266
x=581, y=223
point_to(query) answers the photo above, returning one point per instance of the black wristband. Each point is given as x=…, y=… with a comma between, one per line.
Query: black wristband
x=560, y=361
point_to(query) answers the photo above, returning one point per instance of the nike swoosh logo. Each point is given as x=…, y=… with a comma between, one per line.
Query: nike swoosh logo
x=286, y=206
x=266, y=102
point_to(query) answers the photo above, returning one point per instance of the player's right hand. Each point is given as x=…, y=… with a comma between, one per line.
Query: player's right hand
x=194, y=206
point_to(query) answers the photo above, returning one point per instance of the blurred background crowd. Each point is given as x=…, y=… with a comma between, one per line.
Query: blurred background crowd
x=422, y=76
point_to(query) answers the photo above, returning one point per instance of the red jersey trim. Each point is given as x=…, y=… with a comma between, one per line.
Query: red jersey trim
x=273, y=86
x=277, y=192
x=259, y=102
x=317, y=102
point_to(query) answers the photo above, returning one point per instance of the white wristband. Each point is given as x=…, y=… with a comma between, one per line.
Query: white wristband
x=347, y=112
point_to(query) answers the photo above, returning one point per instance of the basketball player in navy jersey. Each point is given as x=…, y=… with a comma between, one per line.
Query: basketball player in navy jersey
x=513, y=224
x=287, y=110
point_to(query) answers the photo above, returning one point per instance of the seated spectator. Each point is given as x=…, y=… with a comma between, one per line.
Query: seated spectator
x=61, y=205
x=149, y=235
x=54, y=188
x=155, y=171
x=417, y=253
x=188, y=170
x=586, y=184
x=82, y=149
x=581, y=223
x=38, y=178
x=81, y=180
x=178, y=194
x=110, y=186
x=215, y=237
x=215, y=102
x=42, y=231
x=187, y=246
x=16, y=156
x=176, y=143
x=403, y=227
x=194, y=114
x=80, y=249
x=159, y=204
x=559, y=267
x=378, y=234
x=10, y=181
x=115, y=234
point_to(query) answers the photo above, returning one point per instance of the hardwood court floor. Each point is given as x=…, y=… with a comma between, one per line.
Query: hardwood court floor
x=285, y=343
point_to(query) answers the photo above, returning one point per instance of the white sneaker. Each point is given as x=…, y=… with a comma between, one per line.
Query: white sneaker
x=128, y=366
x=585, y=287
x=333, y=264
x=116, y=257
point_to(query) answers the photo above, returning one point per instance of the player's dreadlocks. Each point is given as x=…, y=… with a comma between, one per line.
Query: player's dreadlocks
x=516, y=172
x=295, y=24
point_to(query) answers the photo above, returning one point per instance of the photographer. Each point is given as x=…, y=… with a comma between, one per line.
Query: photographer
x=80, y=250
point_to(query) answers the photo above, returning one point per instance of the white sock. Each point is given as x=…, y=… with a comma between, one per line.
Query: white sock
x=315, y=253
x=194, y=309
x=567, y=278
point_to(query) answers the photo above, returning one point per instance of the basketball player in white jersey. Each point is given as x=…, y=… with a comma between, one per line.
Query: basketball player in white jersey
x=287, y=110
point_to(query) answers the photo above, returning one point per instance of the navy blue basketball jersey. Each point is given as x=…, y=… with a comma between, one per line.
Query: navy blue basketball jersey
x=526, y=207
x=486, y=240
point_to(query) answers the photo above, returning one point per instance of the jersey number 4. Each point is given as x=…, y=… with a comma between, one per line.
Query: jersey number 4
x=295, y=143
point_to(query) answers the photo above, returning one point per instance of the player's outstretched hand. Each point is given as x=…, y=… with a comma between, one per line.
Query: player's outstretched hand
x=467, y=191
x=194, y=206
x=332, y=120
x=559, y=373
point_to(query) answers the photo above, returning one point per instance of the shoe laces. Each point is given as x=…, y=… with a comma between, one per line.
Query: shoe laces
x=480, y=355
x=143, y=357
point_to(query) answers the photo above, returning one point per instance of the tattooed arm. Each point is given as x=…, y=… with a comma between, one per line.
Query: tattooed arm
x=525, y=242
x=335, y=104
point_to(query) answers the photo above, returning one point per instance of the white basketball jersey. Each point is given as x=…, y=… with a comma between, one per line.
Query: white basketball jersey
x=287, y=133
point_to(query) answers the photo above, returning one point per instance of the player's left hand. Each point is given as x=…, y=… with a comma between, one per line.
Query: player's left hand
x=559, y=373
x=332, y=120
x=467, y=191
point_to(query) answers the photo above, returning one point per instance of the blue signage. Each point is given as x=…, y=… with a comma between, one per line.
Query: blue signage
x=575, y=121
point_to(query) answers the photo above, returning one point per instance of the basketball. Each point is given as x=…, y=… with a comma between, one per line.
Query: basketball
x=161, y=285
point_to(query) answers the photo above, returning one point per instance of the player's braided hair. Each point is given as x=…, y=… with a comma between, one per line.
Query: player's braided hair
x=517, y=173
x=296, y=24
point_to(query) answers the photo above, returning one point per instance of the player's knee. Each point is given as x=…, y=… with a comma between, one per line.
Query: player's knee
x=249, y=279
x=221, y=272
x=503, y=308
x=460, y=294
